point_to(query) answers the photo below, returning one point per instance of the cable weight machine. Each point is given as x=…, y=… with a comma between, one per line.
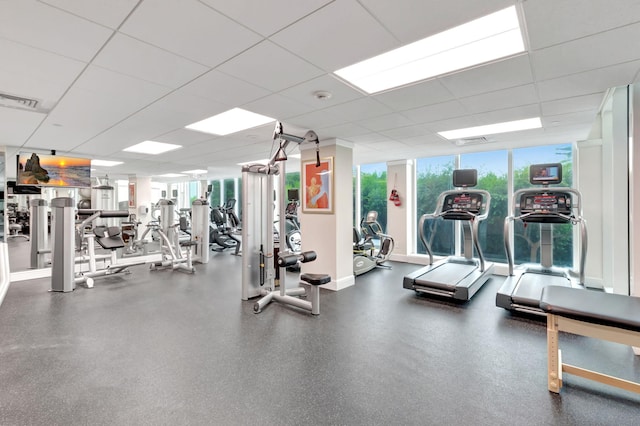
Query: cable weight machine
x=258, y=266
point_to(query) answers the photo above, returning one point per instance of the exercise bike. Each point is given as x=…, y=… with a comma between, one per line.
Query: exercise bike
x=220, y=232
x=365, y=256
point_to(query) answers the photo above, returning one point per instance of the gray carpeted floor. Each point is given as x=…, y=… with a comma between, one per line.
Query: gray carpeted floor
x=170, y=348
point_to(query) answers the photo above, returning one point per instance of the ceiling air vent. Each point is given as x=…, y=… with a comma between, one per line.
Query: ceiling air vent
x=470, y=141
x=11, y=101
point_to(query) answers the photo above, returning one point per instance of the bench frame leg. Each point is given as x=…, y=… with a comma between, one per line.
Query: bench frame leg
x=555, y=366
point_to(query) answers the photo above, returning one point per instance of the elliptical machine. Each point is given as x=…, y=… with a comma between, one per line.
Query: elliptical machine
x=365, y=257
x=222, y=225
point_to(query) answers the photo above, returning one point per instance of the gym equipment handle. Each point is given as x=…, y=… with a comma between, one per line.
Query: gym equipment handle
x=285, y=260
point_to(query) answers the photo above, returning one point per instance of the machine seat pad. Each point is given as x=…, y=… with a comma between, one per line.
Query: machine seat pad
x=613, y=310
x=188, y=243
x=108, y=237
x=315, y=279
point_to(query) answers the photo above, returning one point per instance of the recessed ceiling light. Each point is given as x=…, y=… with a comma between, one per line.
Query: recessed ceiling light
x=231, y=121
x=486, y=39
x=105, y=163
x=171, y=175
x=492, y=129
x=195, y=172
x=151, y=147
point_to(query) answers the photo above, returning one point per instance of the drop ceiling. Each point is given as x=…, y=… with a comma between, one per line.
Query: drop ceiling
x=112, y=74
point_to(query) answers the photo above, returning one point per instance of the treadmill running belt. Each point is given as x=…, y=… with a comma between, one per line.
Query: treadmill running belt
x=445, y=276
x=530, y=285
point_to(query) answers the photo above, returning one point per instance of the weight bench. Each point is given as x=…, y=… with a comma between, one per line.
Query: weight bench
x=606, y=316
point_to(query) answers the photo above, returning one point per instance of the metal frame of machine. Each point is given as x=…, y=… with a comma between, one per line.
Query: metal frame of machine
x=457, y=277
x=545, y=205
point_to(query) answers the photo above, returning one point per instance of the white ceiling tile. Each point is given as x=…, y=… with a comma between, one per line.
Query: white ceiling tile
x=122, y=89
x=265, y=17
x=386, y=122
x=17, y=125
x=304, y=92
x=35, y=73
x=225, y=89
x=108, y=13
x=278, y=107
x=512, y=97
x=574, y=104
x=426, y=93
x=510, y=114
x=177, y=110
x=268, y=65
x=550, y=22
x=498, y=75
x=404, y=132
x=367, y=138
x=569, y=119
x=45, y=27
x=411, y=20
x=337, y=35
x=588, y=53
x=185, y=137
x=359, y=109
x=436, y=112
x=190, y=29
x=129, y=56
x=587, y=83
x=99, y=99
x=345, y=131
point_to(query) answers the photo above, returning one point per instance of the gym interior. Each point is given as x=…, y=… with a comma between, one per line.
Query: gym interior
x=323, y=212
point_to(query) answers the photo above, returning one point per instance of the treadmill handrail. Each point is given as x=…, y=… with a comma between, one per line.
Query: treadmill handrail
x=474, y=219
x=576, y=204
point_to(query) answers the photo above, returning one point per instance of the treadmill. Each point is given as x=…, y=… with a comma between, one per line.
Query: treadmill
x=522, y=289
x=457, y=277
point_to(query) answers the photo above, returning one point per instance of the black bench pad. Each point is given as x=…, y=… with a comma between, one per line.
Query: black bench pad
x=315, y=279
x=614, y=310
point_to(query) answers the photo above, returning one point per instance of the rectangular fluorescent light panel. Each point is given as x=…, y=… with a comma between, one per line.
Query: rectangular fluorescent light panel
x=105, y=163
x=492, y=129
x=171, y=175
x=486, y=39
x=231, y=121
x=261, y=161
x=151, y=147
x=195, y=172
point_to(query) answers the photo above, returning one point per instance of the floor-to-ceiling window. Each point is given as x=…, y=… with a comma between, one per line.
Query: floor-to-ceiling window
x=433, y=176
x=527, y=238
x=492, y=177
x=373, y=191
x=214, y=197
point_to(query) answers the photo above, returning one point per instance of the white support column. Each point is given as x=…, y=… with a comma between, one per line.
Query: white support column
x=615, y=206
x=401, y=219
x=331, y=235
x=634, y=197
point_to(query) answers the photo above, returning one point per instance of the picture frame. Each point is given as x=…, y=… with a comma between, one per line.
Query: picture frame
x=317, y=186
x=132, y=194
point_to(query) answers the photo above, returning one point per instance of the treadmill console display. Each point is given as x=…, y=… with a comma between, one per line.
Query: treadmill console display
x=545, y=207
x=462, y=205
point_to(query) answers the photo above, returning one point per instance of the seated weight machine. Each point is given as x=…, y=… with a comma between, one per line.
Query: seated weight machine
x=258, y=269
x=67, y=238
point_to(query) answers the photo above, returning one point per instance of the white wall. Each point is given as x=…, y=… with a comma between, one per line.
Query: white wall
x=400, y=218
x=589, y=181
x=634, y=169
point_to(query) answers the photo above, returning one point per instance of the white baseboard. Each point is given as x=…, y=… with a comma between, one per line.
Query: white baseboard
x=340, y=284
